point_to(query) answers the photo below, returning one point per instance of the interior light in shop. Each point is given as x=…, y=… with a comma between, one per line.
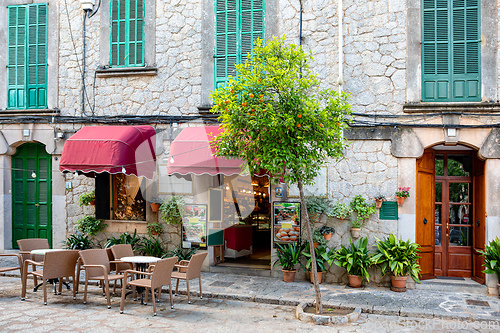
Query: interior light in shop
x=254, y=192
x=264, y=195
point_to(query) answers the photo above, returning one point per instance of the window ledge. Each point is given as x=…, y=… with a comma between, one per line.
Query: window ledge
x=29, y=112
x=126, y=221
x=451, y=107
x=128, y=71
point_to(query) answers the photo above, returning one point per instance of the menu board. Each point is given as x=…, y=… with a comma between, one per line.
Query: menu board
x=286, y=225
x=195, y=225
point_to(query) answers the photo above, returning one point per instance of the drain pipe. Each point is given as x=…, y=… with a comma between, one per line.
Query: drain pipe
x=340, y=80
x=300, y=25
x=83, y=60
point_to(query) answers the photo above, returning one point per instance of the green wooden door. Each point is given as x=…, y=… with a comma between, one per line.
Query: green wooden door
x=31, y=193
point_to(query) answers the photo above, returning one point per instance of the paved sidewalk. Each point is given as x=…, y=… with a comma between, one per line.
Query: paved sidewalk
x=372, y=300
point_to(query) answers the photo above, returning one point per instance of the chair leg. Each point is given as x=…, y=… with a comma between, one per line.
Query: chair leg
x=106, y=289
x=85, y=290
x=159, y=294
x=201, y=295
x=124, y=291
x=154, y=301
x=74, y=287
x=177, y=287
x=189, y=294
x=171, y=298
x=146, y=294
x=35, y=281
x=44, y=291
x=78, y=270
x=23, y=284
x=60, y=285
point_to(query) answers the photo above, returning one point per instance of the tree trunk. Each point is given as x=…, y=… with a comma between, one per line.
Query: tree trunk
x=319, y=306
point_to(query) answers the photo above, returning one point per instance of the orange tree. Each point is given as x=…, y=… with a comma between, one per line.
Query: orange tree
x=277, y=118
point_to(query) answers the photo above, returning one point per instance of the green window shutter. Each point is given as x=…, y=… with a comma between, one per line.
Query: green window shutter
x=27, y=57
x=16, y=56
x=127, y=33
x=37, y=57
x=238, y=23
x=450, y=50
x=389, y=210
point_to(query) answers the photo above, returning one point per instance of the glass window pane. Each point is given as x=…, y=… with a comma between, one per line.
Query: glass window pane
x=129, y=203
x=439, y=192
x=439, y=165
x=459, y=165
x=459, y=192
x=437, y=214
x=459, y=214
x=460, y=236
x=437, y=235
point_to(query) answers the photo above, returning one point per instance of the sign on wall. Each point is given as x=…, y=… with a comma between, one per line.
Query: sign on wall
x=194, y=225
x=286, y=222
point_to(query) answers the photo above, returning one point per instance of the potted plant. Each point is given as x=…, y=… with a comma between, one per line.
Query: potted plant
x=173, y=209
x=340, y=211
x=378, y=201
x=401, y=194
x=152, y=246
x=491, y=255
x=317, y=206
x=288, y=257
x=363, y=211
x=323, y=256
x=400, y=258
x=318, y=238
x=356, y=260
x=155, y=203
x=327, y=232
x=78, y=241
x=87, y=199
x=155, y=228
x=89, y=225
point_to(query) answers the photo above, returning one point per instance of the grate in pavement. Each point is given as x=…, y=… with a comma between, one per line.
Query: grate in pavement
x=221, y=284
x=476, y=302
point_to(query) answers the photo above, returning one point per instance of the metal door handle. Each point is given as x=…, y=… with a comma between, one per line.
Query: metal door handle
x=38, y=205
x=425, y=221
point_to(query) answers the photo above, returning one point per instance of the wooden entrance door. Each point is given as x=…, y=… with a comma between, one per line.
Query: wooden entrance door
x=31, y=193
x=479, y=221
x=425, y=213
x=453, y=213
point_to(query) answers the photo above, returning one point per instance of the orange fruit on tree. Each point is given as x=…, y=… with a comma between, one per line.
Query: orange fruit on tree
x=232, y=91
x=261, y=100
x=244, y=104
x=251, y=95
x=261, y=96
x=298, y=125
x=299, y=116
x=320, y=125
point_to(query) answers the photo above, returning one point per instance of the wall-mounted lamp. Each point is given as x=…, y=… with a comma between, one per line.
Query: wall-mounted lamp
x=26, y=132
x=60, y=135
x=452, y=132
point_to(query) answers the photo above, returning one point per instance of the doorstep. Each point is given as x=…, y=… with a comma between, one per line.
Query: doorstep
x=460, y=285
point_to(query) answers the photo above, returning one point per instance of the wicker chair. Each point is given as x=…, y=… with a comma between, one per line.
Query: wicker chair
x=97, y=267
x=192, y=271
x=161, y=276
x=13, y=268
x=56, y=265
x=25, y=248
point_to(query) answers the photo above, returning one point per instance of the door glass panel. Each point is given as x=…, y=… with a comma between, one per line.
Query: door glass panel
x=437, y=224
x=460, y=236
x=459, y=214
x=459, y=165
x=439, y=192
x=459, y=192
x=439, y=165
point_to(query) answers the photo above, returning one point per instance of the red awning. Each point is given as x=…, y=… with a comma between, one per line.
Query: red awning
x=191, y=153
x=112, y=149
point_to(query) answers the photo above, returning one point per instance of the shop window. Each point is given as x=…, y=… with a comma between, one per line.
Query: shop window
x=120, y=197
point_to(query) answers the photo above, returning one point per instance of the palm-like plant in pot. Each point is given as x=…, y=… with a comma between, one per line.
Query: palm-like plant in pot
x=491, y=256
x=288, y=257
x=324, y=256
x=399, y=258
x=356, y=260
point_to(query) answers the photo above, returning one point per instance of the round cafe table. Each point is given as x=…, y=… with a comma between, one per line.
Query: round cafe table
x=142, y=263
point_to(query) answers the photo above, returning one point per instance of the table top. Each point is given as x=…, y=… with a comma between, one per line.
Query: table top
x=140, y=259
x=43, y=251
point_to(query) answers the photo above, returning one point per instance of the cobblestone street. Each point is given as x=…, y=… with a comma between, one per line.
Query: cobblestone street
x=63, y=314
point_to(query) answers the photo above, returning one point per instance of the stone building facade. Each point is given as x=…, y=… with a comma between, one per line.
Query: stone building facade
x=380, y=52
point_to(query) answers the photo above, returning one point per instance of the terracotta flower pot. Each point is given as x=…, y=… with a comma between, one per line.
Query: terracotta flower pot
x=378, y=203
x=400, y=200
x=355, y=281
x=399, y=282
x=320, y=276
x=355, y=232
x=92, y=202
x=328, y=236
x=155, y=207
x=288, y=276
